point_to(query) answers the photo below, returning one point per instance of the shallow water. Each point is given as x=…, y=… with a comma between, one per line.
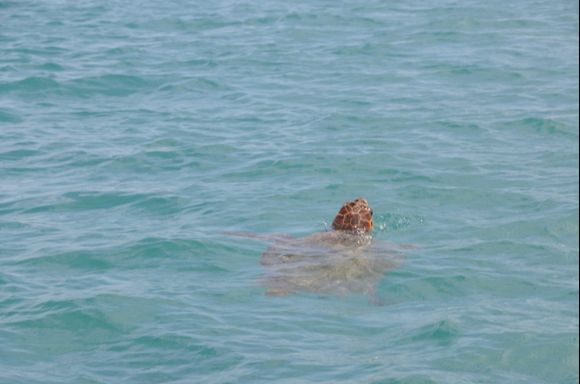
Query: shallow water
x=134, y=134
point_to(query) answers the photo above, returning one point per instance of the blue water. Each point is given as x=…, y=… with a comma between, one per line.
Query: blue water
x=133, y=134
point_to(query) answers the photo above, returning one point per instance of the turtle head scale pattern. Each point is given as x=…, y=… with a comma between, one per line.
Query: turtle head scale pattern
x=354, y=216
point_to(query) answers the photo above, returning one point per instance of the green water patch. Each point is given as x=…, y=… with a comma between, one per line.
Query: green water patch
x=81, y=201
x=151, y=252
x=87, y=201
x=10, y=116
x=51, y=67
x=33, y=84
x=81, y=260
x=443, y=332
x=466, y=73
x=134, y=134
x=58, y=327
x=19, y=154
x=554, y=358
x=111, y=85
x=195, y=86
x=162, y=158
x=543, y=127
x=8, y=4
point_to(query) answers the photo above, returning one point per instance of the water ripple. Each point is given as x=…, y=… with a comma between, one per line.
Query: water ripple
x=135, y=134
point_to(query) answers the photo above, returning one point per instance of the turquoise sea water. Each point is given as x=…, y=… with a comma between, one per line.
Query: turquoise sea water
x=133, y=134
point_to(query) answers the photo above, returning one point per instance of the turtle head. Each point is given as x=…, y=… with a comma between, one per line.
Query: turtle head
x=354, y=216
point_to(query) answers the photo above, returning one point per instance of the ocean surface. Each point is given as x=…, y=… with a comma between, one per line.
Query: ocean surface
x=135, y=134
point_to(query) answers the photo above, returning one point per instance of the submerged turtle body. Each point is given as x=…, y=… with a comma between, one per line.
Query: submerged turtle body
x=330, y=263
x=340, y=261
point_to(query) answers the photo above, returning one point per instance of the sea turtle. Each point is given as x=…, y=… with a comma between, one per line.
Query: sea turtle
x=342, y=260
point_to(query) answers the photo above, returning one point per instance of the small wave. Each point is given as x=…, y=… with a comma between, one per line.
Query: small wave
x=108, y=85
x=170, y=341
x=10, y=116
x=398, y=175
x=474, y=73
x=182, y=25
x=31, y=84
x=465, y=128
x=84, y=260
x=93, y=200
x=52, y=67
x=80, y=201
x=165, y=205
x=19, y=154
x=153, y=160
x=75, y=316
x=543, y=127
x=566, y=227
x=444, y=331
x=8, y=4
x=200, y=84
x=11, y=225
x=145, y=253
